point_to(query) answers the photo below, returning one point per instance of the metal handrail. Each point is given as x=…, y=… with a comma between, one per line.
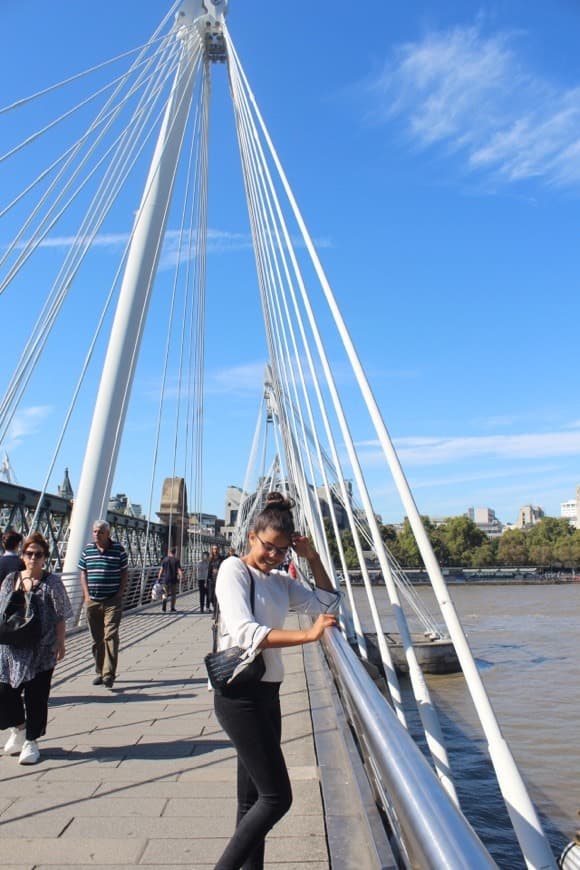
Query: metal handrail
x=432, y=830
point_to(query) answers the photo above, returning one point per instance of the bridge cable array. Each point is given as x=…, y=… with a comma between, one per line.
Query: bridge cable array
x=314, y=442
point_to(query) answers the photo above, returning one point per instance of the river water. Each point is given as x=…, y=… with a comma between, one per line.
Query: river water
x=525, y=641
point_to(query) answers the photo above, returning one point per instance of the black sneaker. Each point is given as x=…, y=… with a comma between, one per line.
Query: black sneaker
x=108, y=682
x=98, y=681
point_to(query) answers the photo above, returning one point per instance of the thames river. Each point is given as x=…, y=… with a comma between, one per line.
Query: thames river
x=525, y=641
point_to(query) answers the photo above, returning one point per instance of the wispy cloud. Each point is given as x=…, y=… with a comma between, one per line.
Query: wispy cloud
x=473, y=95
x=27, y=421
x=177, y=246
x=247, y=378
x=427, y=451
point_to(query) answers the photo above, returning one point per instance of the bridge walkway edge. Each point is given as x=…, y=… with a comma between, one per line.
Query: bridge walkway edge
x=142, y=776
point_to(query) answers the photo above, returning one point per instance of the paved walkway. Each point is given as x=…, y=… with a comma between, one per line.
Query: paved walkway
x=143, y=775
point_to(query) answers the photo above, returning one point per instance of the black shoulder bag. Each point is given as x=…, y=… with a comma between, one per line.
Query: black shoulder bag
x=20, y=623
x=230, y=667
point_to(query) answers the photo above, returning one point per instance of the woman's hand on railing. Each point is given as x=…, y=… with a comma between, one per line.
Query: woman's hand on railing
x=325, y=620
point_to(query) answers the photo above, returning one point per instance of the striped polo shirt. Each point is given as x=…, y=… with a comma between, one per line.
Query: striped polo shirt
x=103, y=570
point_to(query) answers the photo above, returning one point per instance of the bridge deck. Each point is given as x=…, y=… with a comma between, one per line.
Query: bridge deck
x=143, y=775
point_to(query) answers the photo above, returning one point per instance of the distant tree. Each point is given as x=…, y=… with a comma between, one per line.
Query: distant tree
x=350, y=555
x=351, y=558
x=439, y=544
x=513, y=548
x=388, y=534
x=541, y=554
x=485, y=555
x=330, y=537
x=462, y=537
x=567, y=551
x=549, y=531
x=409, y=555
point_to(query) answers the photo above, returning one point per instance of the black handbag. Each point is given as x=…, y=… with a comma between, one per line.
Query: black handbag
x=20, y=623
x=227, y=668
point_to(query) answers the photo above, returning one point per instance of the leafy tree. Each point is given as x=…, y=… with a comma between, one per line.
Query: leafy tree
x=541, y=554
x=409, y=555
x=550, y=530
x=351, y=559
x=485, y=555
x=513, y=548
x=462, y=537
x=330, y=537
x=388, y=535
x=567, y=551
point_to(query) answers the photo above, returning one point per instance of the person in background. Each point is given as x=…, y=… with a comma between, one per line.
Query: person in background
x=104, y=571
x=170, y=575
x=202, y=569
x=215, y=560
x=10, y=561
x=26, y=674
x=250, y=713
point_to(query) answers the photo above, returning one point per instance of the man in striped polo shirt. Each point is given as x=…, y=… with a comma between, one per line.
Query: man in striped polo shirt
x=103, y=567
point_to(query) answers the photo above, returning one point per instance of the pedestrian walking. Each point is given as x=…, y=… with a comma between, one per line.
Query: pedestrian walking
x=104, y=572
x=170, y=574
x=201, y=570
x=215, y=560
x=26, y=674
x=10, y=561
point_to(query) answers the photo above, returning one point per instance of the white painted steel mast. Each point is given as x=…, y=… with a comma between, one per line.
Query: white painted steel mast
x=191, y=23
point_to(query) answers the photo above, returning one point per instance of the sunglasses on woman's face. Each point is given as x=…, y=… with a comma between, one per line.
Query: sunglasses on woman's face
x=33, y=554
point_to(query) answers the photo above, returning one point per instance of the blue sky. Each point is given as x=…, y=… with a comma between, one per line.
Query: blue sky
x=434, y=148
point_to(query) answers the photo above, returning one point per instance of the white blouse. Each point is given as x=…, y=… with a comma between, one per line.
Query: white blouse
x=274, y=594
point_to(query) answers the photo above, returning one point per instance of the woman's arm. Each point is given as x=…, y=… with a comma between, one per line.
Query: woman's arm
x=281, y=637
x=303, y=547
x=59, y=646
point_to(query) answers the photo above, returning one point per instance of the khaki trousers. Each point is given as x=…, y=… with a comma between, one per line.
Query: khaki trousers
x=104, y=618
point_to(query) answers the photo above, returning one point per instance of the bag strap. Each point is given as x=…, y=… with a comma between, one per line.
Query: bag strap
x=20, y=581
x=216, y=613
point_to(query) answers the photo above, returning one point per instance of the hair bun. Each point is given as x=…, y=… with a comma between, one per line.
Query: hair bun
x=276, y=501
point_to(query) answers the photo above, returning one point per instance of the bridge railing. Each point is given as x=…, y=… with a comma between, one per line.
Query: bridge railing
x=426, y=824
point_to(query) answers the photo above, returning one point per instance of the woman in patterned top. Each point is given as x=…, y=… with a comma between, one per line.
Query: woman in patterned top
x=25, y=674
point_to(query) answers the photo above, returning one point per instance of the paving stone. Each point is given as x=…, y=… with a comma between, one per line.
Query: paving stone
x=101, y=806
x=74, y=853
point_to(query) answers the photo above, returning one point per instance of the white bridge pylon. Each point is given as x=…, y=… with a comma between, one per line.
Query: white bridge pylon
x=191, y=23
x=316, y=447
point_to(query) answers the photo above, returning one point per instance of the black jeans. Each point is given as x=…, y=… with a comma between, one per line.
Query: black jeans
x=33, y=711
x=252, y=720
x=203, y=595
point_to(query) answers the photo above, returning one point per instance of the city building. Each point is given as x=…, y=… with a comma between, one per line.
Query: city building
x=570, y=510
x=233, y=500
x=65, y=490
x=339, y=510
x=122, y=504
x=207, y=524
x=486, y=520
x=529, y=515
